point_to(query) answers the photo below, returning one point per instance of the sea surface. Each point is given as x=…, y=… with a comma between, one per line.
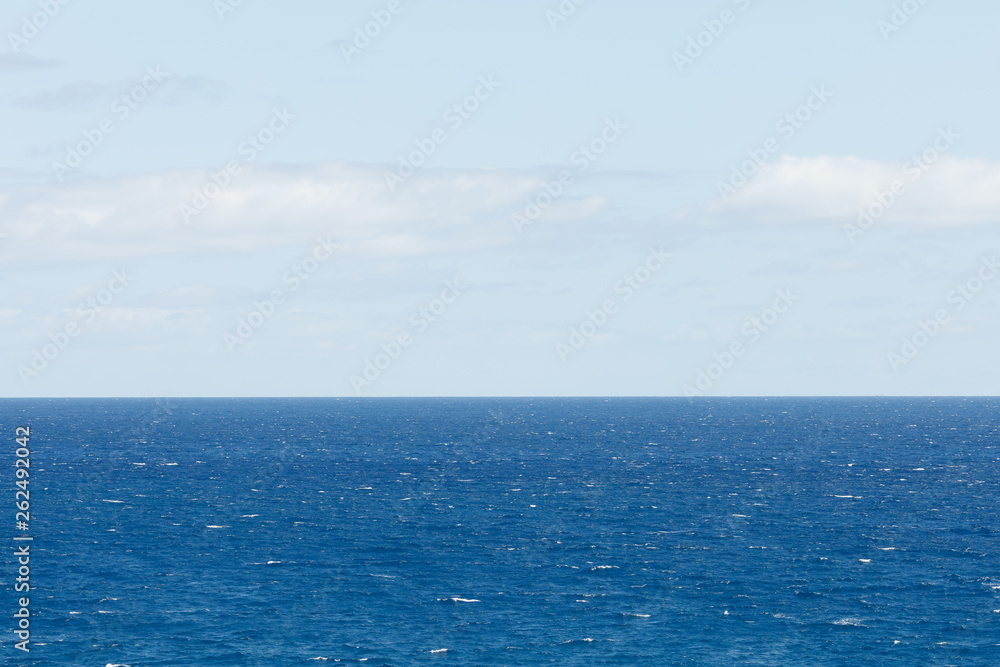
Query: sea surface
x=769, y=532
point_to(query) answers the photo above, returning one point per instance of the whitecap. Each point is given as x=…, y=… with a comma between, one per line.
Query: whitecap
x=463, y=600
x=111, y=501
x=439, y=650
x=218, y=526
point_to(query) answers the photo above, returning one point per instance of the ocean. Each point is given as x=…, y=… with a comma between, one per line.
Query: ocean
x=590, y=531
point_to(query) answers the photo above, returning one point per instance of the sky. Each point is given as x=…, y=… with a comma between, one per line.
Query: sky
x=576, y=198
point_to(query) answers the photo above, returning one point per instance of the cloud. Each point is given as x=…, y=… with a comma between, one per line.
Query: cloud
x=181, y=88
x=175, y=89
x=433, y=213
x=71, y=95
x=19, y=62
x=950, y=191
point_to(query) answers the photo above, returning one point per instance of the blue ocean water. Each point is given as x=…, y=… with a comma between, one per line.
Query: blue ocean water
x=768, y=532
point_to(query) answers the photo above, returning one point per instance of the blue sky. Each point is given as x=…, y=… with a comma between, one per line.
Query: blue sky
x=232, y=231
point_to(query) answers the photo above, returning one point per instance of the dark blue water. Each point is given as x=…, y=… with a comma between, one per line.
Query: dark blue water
x=510, y=532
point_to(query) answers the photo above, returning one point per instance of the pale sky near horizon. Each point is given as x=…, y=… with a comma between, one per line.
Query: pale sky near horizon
x=186, y=164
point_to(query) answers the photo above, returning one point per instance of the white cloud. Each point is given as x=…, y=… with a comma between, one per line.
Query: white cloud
x=951, y=191
x=263, y=207
x=17, y=62
x=176, y=88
